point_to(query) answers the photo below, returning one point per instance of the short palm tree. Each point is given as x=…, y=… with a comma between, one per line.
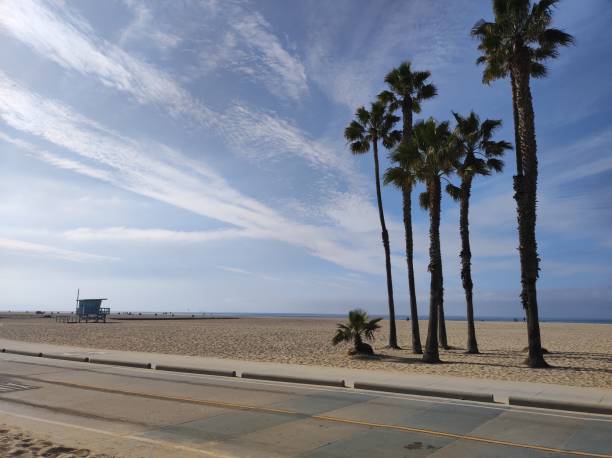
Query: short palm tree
x=516, y=44
x=432, y=160
x=480, y=155
x=359, y=328
x=407, y=89
x=364, y=133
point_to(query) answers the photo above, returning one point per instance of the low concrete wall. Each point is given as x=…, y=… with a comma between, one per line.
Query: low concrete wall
x=80, y=359
x=112, y=362
x=22, y=352
x=293, y=379
x=481, y=397
x=195, y=370
x=560, y=405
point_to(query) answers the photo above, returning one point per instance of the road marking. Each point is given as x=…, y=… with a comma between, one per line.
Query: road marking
x=122, y=436
x=7, y=386
x=236, y=406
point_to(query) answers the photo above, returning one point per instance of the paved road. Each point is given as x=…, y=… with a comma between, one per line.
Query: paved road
x=139, y=412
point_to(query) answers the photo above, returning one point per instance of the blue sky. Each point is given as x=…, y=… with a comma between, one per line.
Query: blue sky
x=189, y=156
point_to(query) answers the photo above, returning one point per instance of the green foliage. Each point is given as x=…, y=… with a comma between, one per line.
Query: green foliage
x=453, y=191
x=424, y=200
x=479, y=153
x=520, y=30
x=359, y=327
x=407, y=88
x=372, y=126
x=433, y=150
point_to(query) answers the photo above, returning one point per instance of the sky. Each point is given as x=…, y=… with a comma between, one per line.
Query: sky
x=189, y=156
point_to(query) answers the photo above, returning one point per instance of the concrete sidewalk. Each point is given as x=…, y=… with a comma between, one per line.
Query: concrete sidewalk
x=500, y=389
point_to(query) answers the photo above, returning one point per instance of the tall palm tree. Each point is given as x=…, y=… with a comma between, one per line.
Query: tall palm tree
x=404, y=179
x=479, y=156
x=365, y=132
x=516, y=44
x=432, y=159
x=407, y=89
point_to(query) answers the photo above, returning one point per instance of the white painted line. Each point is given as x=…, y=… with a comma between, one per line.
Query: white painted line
x=122, y=436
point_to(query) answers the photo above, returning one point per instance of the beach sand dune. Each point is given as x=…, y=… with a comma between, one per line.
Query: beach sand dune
x=580, y=353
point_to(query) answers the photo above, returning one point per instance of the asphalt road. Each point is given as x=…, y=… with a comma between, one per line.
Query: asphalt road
x=140, y=412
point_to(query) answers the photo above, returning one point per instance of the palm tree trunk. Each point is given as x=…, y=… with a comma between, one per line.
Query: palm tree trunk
x=525, y=195
x=414, y=315
x=466, y=261
x=441, y=320
x=431, y=354
x=385, y=240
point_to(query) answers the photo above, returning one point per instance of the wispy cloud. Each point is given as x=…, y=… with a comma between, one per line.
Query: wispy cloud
x=62, y=36
x=144, y=28
x=125, y=234
x=37, y=249
x=426, y=32
x=241, y=40
x=159, y=172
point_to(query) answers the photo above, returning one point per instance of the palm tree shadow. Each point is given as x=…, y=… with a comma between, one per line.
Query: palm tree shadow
x=415, y=359
x=518, y=355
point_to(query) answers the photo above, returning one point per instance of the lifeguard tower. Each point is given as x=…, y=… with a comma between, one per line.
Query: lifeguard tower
x=91, y=309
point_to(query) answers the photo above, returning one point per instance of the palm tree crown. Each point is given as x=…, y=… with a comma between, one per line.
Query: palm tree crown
x=359, y=327
x=520, y=31
x=401, y=175
x=430, y=153
x=473, y=139
x=407, y=89
x=371, y=126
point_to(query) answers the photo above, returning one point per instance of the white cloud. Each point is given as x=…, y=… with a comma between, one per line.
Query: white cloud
x=144, y=28
x=125, y=234
x=36, y=249
x=59, y=162
x=161, y=173
x=69, y=41
x=428, y=33
x=237, y=39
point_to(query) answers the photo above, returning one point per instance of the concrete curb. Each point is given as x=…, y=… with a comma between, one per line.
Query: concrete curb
x=80, y=359
x=195, y=370
x=22, y=352
x=292, y=379
x=560, y=405
x=480, y=397
x=112, y=362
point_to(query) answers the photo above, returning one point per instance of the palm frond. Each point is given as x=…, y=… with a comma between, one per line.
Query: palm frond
x=453, y=191
x=424, y=200
x=495, y=164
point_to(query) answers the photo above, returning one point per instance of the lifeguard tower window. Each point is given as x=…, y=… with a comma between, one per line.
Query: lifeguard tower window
x=91, y=309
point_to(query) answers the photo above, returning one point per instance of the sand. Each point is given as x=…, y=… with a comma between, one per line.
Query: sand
x=15, y=442
x=580, y=353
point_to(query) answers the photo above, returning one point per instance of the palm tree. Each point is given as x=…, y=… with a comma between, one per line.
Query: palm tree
x=430, y=156
x=363, y=133
x=479, y=156
x=358, y=328
x=404, y=179
x=517, y=44
x=407, y=89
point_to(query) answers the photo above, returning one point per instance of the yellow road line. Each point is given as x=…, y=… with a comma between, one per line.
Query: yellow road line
x=236, y=406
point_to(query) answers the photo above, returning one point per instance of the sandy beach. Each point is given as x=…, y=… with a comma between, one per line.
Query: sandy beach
x=580, y=353
x=18, y=443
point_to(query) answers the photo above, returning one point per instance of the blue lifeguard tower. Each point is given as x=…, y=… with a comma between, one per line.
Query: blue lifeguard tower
x=91, y=309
